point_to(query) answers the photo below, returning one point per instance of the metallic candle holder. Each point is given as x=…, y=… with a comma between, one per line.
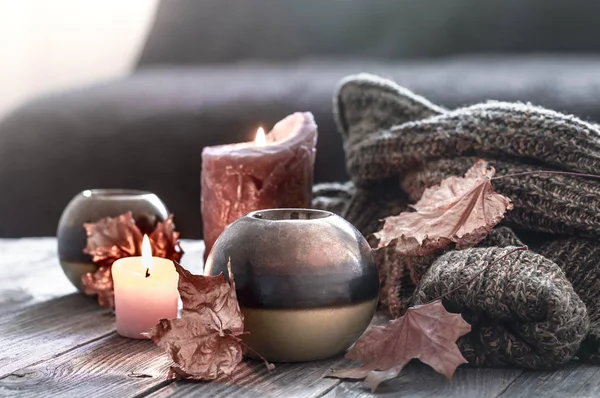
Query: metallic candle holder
x=306, y=281
x=92, y=205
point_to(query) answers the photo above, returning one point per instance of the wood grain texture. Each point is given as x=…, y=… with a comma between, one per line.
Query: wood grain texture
x=574, y=380
x=112, y=366
x=47, y=329
x=30, y=273
x=252, y=380
x=419, y=380
x=47, y=323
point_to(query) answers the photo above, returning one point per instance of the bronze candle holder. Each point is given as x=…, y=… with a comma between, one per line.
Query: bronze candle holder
x=306, y=281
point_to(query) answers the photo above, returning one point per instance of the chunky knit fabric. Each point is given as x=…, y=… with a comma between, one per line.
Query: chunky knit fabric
x=522, y=311
x=579, y=259
x=535, y=309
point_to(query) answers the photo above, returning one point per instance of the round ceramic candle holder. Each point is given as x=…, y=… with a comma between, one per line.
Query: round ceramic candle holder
x=91, y=206
x=305, y=279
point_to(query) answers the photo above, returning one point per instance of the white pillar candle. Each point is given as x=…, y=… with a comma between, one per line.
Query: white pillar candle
x=145, y=292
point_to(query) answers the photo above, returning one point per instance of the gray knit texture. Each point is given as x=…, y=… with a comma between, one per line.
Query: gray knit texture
x=535, y=309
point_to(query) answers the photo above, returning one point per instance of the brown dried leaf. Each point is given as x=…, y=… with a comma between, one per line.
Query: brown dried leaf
x=100, y=283
x=113, y=238
x=426, y=332
x=204, y=342
x=108, y=240
x=198, y=349
x=165, y=240
x=460, y=210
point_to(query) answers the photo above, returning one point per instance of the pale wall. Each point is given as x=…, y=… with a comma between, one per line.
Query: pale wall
x=48, y=45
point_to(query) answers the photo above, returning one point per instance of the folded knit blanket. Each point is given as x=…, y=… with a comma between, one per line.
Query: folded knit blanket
x=535, y=309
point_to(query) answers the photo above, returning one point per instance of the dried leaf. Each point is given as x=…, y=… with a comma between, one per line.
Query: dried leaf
x=460, y=210
x=165, y=240
x=426, y=332
x=110, y=239
x=204, y=342
x=113, y=238
x=100, y=283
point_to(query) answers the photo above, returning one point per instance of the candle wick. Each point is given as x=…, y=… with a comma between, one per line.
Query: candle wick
x=147, y=272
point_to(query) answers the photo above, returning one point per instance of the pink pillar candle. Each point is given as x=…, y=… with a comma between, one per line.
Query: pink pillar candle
x=249, y=176
x=145, y=292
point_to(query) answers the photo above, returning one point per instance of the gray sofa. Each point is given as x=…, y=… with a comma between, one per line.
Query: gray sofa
x=212, y=71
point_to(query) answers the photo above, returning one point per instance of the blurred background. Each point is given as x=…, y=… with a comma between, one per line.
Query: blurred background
x=125, y=94
x=50, y=46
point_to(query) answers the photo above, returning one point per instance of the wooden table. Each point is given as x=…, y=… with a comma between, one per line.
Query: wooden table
x=55, y=342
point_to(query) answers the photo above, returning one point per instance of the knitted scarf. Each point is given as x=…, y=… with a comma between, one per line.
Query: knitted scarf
x=535, y=309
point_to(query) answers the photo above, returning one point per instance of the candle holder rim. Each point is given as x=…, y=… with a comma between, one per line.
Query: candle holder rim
x=115, y=193
x=317, y=214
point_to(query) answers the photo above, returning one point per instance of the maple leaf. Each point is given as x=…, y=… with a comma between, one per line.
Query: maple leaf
x=112, y=238
x=204, y=342
x=460, y=210
x=426, y=332
x=165, y=240
x=100, y=283
x=108, y=240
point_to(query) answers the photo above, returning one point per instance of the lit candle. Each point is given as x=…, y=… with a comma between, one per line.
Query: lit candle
x=273, y=171
x=261, y=138
x=145, y=292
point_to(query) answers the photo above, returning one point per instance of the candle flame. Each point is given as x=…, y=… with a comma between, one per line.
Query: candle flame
x=260, y=139
x=147, y=253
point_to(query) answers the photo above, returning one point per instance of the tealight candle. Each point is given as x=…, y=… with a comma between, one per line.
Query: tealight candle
x=145, y=292
x=273, y=171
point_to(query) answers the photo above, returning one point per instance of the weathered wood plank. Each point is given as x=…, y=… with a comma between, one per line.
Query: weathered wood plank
x=14, y=251
x=31, y=332
x=253, y=380
x=419, y=380
x=30, y=273
x=115, y=366
x=44, y=330
x=574, y=380
x=112, y=366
